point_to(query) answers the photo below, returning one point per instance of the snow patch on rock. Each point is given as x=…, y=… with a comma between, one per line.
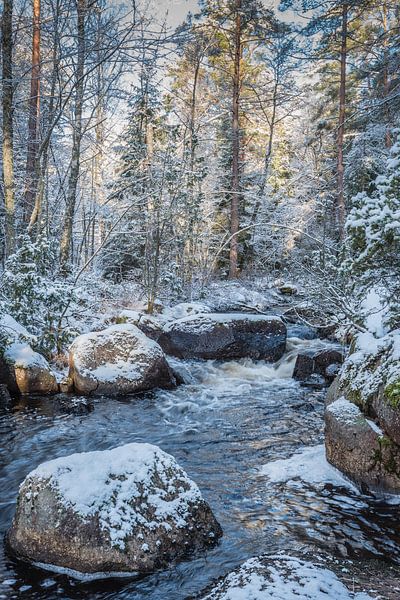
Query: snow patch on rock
x=201, y=323
x=282, y=577
x=128, y=367
x=12, y=330
x=106, y=482
x=21, y=355
x=344, y=410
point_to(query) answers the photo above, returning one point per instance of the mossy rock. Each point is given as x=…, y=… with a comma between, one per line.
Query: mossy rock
x=392, y=394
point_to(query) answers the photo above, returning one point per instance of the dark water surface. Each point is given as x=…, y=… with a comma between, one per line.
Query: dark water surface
x=222, y=427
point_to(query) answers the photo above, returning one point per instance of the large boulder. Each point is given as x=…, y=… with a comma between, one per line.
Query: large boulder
x=368, y=447
x=280, y=577
x=325, y=363
x=360, y=449
x=25, y=371
x=131, y=509
x=118, y=360
x=225, y=336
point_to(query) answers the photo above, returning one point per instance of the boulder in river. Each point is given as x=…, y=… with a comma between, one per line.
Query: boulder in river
x=277, y=577
x=118, y=360
x=225, y=336
x=131, y=509
x=362, y=413
x=325, y=363
x=25, y=371
x=360, y=449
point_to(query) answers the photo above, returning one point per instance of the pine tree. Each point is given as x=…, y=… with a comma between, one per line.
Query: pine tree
x=373, y=238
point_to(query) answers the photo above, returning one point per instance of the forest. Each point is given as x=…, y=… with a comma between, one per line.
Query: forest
x=200, y=276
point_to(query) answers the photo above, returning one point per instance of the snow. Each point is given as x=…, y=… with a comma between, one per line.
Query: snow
x=184, y=309
x=85, y=577
x=110, y=483
x=232, y=295
x=22, y=355
x=375, y=427
x=282, y=577
x=12, y=329
x=202, y=323
x=374, y=363
x=118, y=369
x=125, y=340
x=309, y=465
x=344, y=410
x=375, y=312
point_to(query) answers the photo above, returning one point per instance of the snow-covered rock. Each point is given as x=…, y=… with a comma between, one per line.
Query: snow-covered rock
x=359, y=448
x=184, y=309
x=25, y=371
x=227, y=296
x=117, y=360
x=368, y=448
x=131, y=509
x=280, y=577
x=225, y=335
x=148, y=324
x=12, y=331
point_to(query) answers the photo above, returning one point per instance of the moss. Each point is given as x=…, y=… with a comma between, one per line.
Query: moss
x=385, y=441
x=392, y=394
x=355, y=397
x=387, y=456
x=121, y=320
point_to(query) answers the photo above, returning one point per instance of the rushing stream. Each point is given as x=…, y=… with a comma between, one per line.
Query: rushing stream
x=222, y=427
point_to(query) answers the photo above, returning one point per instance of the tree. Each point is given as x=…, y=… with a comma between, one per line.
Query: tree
x=236, y=27
x=66, y=239
x=34, y=118
x=8, y=153
x=373, y=238
x=336, y=23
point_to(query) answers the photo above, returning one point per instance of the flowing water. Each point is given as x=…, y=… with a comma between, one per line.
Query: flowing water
x=228, y=421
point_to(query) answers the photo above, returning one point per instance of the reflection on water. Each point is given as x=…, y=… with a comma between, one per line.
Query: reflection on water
x=230, y=420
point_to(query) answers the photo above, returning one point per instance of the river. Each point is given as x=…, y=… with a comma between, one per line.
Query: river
x=222, y=427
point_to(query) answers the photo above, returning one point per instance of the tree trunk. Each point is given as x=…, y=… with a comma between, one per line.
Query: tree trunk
x=31, y=181
x=268, y=154
x=66, y=240
x=8, y=157
x=386, y=80
x=234, y=220
x=341, y=209
x=42, y=161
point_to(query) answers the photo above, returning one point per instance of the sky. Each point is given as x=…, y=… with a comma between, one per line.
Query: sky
x=178, y=9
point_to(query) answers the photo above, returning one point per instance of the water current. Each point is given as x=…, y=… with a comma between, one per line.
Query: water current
x=223, y=426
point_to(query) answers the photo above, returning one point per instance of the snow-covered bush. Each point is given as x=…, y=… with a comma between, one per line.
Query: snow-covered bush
x=32, y=294
x=373, y=239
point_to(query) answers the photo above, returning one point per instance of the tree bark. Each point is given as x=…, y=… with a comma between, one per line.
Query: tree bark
x=43, y=156
x=8, y=156
x=31, y=181
x=386, y=80
x=234, y=216
x=341, y=208
x=66, y=240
